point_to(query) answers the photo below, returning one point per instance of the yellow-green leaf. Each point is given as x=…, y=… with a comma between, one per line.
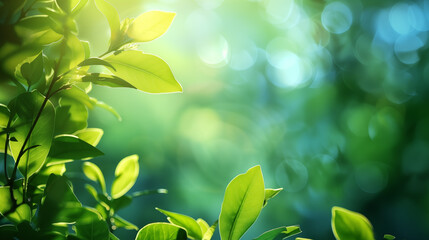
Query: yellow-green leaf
x=94, y=173
x=243, y=201
x=126, y=174
x=146, y=72
x=347, y=225
x=150, y=25
x=189, y=224
x=164, y=231
x=90, y=135
x=112, y=17
x=270, y=193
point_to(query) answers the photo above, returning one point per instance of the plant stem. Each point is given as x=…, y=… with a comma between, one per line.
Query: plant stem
x=6, y=146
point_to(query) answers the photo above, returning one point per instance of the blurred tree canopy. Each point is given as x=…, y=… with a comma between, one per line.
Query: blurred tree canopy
x=330, y=97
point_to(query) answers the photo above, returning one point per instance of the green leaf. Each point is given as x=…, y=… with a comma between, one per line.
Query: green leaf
x=91, y=225
x=42, y=176
x=112, y=17
x=388, y=237
x=279, y=233
x=204, y=226
x=71, y=147
x=8, y=232
x=60, y=204
x=150, y=25
x=107, y=107
x=121, y=202
x=73, y=53
x=243, y=201
x=164, y=231
x=67, y=5
x=270, y=193
x=94, y=173
x=4, y=118
x=189, y=224
x=91, y=190
x=347, y=224
x=209, y=233
x=126, y=174
x=90, y=135
x=148, y=192
x=106, y=80
x=122, y=223
x=32, y=69
x=112, y=237
x=146, y=72
x=96, y=61
x=79, y=7
x=21, y=213
x=27, y=106
x=37, y=29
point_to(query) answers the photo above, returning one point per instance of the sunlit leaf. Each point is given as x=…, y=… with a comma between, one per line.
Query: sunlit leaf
x=72, y=52
x=146, y=72
x=243, y=201
x=279, y=233
x=189, y=224
x=67, y=5
x=107, y=107
x=347, y=224
x=270, y=193
x=22, y=213
x=204, y=226
x=27, y=106
x=94, y=173
x=164, y=231
x=112, y=237
x=91, y=190
x=32, y=69
x=126, y=174
x=106, y=80
x=209, y=233
x=150, y=25
x=71, y=147
x=91, y=225
x=112, y=17
x=122, y=223
x=90, y=135
x=37, y=30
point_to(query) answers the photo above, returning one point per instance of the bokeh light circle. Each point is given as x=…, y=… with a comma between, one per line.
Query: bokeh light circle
x=337, y=17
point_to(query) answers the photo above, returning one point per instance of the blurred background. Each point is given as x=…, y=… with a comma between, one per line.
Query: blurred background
x=329, y=97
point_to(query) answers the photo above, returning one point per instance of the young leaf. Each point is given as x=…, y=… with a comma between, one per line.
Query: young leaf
x=122, y=223
x=150, y=25
x=32, y=69
x=37, y=29
x=96, y=61
x=146, y=72
x=90, y=135
x=94, y=173
x=279, y=233
x=164, y=231
x=71, y=147
x=189, y=224
x=126, y=174
x=107, y=107
x=243, y=201
x=112, y=17
x=209, y=233
x=91, y=190
x=204, y=226
x=27, y=106
x=347, y=224
x=67, y=5
x=388, y=237
x=270, y=193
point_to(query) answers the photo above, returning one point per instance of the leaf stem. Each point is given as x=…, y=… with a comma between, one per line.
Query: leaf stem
x=6, y=146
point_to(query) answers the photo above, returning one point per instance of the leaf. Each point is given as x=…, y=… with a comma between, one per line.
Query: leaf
x=91, y=190
x=73, y=53
x=209, y=233
x=279, y=233
x=112, y=17
x=94, y=173
x=71, y=147
x=27, y=106
x=126, y=174
x=37, y=30
x=388, y=237
x=106, y=80
x=270, y=193
x=90, y=135
x=8, y=232
x=243, y=201
x=204, y=226
x=122, y=223
x=112, y=237
x=347, y=224
x=189, y=224
x=150, y=25
x=60, y=204
x=67, y=5
x=158, y=231
x=79, y=7
x=148, y=192
x=146, y=72
x=42, y=176
x=21, y=213
x=121, y=202
x=91, y=225
x=32, y=69
x=96, y=61
x=107, y=107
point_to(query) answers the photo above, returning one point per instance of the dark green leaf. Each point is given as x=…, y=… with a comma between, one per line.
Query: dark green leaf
x=91, y=225
x=279, y=233
x=96, y=61
x=388, y=237
x=8, y=232
x=121, y=202
x=189, y=224
x=146, y=72
x=158, y=231
x=71, y=147
x=126, y=174
x=347, y=224
x=106, y=80
x=243, y=201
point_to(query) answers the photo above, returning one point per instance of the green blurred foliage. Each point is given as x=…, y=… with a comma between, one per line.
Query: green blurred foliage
x=330, y=97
